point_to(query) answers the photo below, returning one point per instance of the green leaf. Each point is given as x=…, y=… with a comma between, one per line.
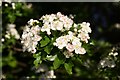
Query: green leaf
x=36, y=55
x=18, y=6
x=11, y=17
x=38, y=59
x=68, y=67
x=18, y=13
x=48, y=49
x=12, y=63
x=44, y=41
x=57, y=63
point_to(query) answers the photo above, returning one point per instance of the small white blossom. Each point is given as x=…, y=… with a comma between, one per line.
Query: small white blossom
x=116, y=53
x=46, y=27
x=85, y=27
x=75, y=30
x=68, y=54
x=12, y=31
x=7, y=35
x=106, y=62
x=84, y=37
x=113, y=53
x=31, y=22
x=13, y=5
x=2, y=40
x=61, y=42
x=58, y=25
x=70, y=47
x=76, y=41
x=79, y=49
x=50, y=74
x=41, y=68
x=6, y=5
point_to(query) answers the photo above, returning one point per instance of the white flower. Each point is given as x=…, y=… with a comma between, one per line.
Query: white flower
x=6, y=5
x=75, y=25
x=57, y=25
x=71, y=35
x=85, y=27
x=46, y=27
x=79, y=50
x=70, y=47
x=41, y=68
x=75, y=30
x=84, y=36
x=67, y=22
x=68, y=54
x=76, y=41
x=30, y=38
x=13, y=5
x=61, y=42
x=48, y=18
x=31, y=22
x=12, y=31
x=7, y=35
x=106, y=62
x=2, y=40
x=113, y=53
x=33, y=50
x=50, y=74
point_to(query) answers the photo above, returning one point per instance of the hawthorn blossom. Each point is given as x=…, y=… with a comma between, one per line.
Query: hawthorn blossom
x=57, y=25
x=30, y=38
x=68, y=54
x=70, y=47
x=70, y=41
x=2, y=40
x=107, y=62
x=66, y=21
x=12, y=31
x=46, y=27
x=84, y=36
x=85, y=27
x=61, y=42
x=76, y=41
x=56, y=22
x=113, y=53
x=13, y=5
x=50, y=74
x=79, y=50
x=31, y=22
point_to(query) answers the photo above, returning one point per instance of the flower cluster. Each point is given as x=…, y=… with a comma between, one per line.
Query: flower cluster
x=30, y=37
x=73, y=40
x=11, y=31
x=72, y=37
x=56, y=22
x=109, y=61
